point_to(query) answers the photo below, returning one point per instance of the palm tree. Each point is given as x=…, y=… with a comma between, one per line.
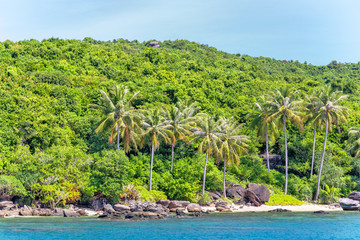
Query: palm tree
x=231, y=145
x=311, y=108
x=332, y=114
x=208, y=132
x=155, y=131
x=354, y=140
x=284, y=104
x=119, y=115
x=261, y=119
x=180, y=119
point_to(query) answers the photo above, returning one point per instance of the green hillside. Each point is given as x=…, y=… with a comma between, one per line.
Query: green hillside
x=50, y=152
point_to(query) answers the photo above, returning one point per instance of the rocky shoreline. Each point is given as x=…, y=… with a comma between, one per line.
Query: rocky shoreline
x=244, y=200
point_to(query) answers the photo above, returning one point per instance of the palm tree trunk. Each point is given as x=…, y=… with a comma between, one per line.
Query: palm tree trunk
x=286, y=157
x=151, y=164
x=172, y=155
x=313, y=153
x=204, y=176
x=322, y=160
x=224, y=188
x=267, y=149
x=118, y=139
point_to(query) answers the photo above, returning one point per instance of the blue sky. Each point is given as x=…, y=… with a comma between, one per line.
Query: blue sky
x=315, y=31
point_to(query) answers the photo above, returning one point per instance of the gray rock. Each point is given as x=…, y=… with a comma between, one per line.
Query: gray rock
x=178, y=204
x=261, y=192
x=165, y=203
x=7, y=205
x=120, y=208
x=70, y=213
x=349, y=204
x=253, y=198
x=98, y=203
x=144, y=215
x=215, y=196
x=279, y=210
x=194, y=207
x=108, y=208
x=354, y=196
x=321, y=212
x=236, y=191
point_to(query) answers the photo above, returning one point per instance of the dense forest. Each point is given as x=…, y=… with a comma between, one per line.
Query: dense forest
x=55, y=147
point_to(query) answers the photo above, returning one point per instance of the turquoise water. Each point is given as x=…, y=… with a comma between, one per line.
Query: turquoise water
x=340, y=225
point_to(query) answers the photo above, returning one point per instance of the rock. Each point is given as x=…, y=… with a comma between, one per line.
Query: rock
x=349, y=204
x=196, y=214
x=179, y=212
x=154, y=208
x=215, y=196
x=25, y=213
x=236, y=191
x=321, y=212
x=98, y=203
x=178, y=204
x=120, y=208
x=175, y=209
x=253, y=198
x=144, y=215
x=354, y=196
x=70, y=213
x=260, y=191
x=193, y=207
x=222, y=206
x=7, y=205
x=82, y=212
x=165, y=203
x=279, y=210
x=108, y=208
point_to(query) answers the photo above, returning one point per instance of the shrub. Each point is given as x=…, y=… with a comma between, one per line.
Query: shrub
x=150, y=196
x=282, y=200
x=11, y=187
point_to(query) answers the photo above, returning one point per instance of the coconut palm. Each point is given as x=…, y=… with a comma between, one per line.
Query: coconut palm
x=354, y=140
x=311, y=109
x=332, y=114
x=261, y=120
x=180, y=119
x=119, y=115
x=208, y=132
x=231, y=145
x=155, y=130
x=285, y=108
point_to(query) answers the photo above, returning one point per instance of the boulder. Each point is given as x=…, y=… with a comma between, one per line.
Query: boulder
x=144, y=215
x=215, y=196
x=279, y=210
x=349, y=204
x=236, y=191
x=178, y=204
x=120, y=208
x=354, y=196
x=222, y=206
x=194, y=207
x=25, y=213
x=321, y=212
x=261, y=191
x=180, y=212
x=98, y=203
x=108, y=208
x=82, y=212
x=253, y=198
x=70, y=213
x=7, y=205
x=176, y=209
x=165, y=203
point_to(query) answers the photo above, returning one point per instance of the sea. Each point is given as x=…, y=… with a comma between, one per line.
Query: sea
x=220, y=226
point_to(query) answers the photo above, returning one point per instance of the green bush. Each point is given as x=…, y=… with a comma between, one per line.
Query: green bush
x=9, y=185
x=282, y=200
x=151, y=196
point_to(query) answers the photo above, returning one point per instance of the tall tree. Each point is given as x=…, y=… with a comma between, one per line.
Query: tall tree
x=312, y=106
x=119, y=115
x=180, y=120
x=332, y=114
x=285, y=107
x=354, y=141
x=155, y=131
x=231, y=145
x=207, y=132
x=261, y=120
